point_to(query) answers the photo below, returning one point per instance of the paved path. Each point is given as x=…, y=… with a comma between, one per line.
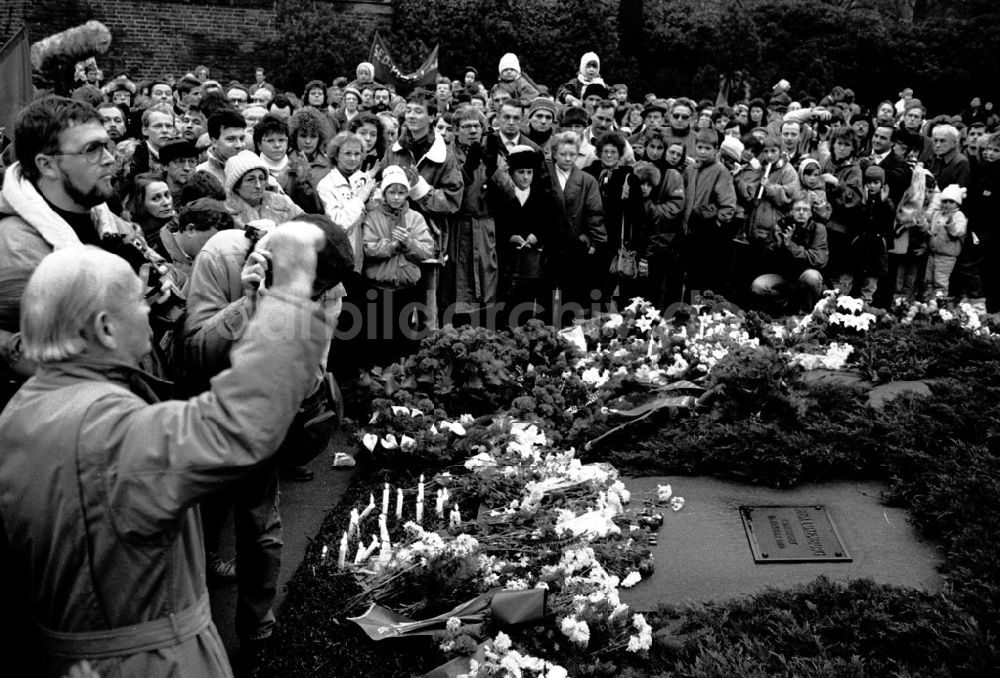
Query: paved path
x=303, y=508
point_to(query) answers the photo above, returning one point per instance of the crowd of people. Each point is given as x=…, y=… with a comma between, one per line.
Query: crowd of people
x=471, y=203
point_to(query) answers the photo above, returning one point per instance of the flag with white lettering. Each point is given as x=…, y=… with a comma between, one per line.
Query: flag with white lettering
x=388, y=72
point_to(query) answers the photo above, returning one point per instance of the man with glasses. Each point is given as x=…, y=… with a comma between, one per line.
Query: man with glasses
x=53, y=197
x=680, y=126
x=238, y=96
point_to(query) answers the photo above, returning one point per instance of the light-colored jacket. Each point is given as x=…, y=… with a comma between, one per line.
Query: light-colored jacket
x=99, y=483
x=343, y=202
x=384, y=264
x=29, y=230
x=277, y=207
x=947, y=229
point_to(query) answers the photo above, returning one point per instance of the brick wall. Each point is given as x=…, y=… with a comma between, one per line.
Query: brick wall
x=153, y=37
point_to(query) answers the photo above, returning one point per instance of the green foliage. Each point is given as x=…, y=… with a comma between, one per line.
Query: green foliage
x=678, y=47
x=313, y=43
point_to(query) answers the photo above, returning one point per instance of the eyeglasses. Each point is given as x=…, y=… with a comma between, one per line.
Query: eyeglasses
x=93, y=152
x=680, y=116
x=469, y=125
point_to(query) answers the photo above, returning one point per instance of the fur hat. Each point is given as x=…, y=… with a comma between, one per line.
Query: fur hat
x=238, y=165
x=175, y=150
x=587, y=58
x=731, y=147
x=522, y=157
x=953, y=192
x=574, y=116
x=509, y=60
x=394, y=174
x=874, y=173
x=596, y=87
x=542, y=104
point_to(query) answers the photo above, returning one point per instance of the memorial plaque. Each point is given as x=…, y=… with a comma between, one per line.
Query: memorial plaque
x=792, y=534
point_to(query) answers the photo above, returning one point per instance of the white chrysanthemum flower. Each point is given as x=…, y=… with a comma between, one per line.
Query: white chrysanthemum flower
x=631, y=579
x=453, y=624
x=502, y=643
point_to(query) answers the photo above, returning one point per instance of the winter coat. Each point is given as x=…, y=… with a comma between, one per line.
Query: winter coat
x=773, y=204
x=946, y=232
x=342, y=202
x=621, y=216
x=535, y=217
x=950, y=168
x=99, y=486
x=580, y=219
x=982, y=205
x=386, y=266
x=520, y=88
x=709, y=197
x=846, y=195
x=276, y=207
x=870, y=237
x=439, y=169
x=218, y=309
x=807, y=249
x=474, y=220
x=665, y=215
x=29, y=230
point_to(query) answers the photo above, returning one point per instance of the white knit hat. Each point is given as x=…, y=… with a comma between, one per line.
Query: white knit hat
x=238, y=165
x=394, y=174
x=732, y=147
x=509, y=60
x=953, y=192
x=587, y=58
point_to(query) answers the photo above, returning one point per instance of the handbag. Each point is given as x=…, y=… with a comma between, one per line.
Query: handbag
x=625, y=263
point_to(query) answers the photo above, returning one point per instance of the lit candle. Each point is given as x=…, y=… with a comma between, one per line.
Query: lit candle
x=439, y=505
x=399, y=504
x=352, y=527
x=383, y=528
x=420, y=513
x=385, y=500
x=369, y=508
x=455, y=517
x=342, y=557
x=420, y=490
x=359, y=557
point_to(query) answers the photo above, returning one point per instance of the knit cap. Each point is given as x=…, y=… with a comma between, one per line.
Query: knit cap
x=542, y=104
x=238, y=165
x=953, y=192
x=509, y=60
x=394, y=174
x=365, y=67
x=732, y=147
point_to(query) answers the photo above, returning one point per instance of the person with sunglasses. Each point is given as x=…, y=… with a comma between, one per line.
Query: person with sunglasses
x=680, y=123
x=54, y=197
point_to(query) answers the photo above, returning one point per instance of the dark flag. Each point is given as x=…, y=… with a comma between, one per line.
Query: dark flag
x=15, y=74
x=388, y=72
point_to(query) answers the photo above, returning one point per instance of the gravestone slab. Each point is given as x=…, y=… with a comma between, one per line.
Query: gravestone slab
x=703, y=554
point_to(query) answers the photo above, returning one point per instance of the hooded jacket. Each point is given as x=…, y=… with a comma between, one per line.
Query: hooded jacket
x=29, y=230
